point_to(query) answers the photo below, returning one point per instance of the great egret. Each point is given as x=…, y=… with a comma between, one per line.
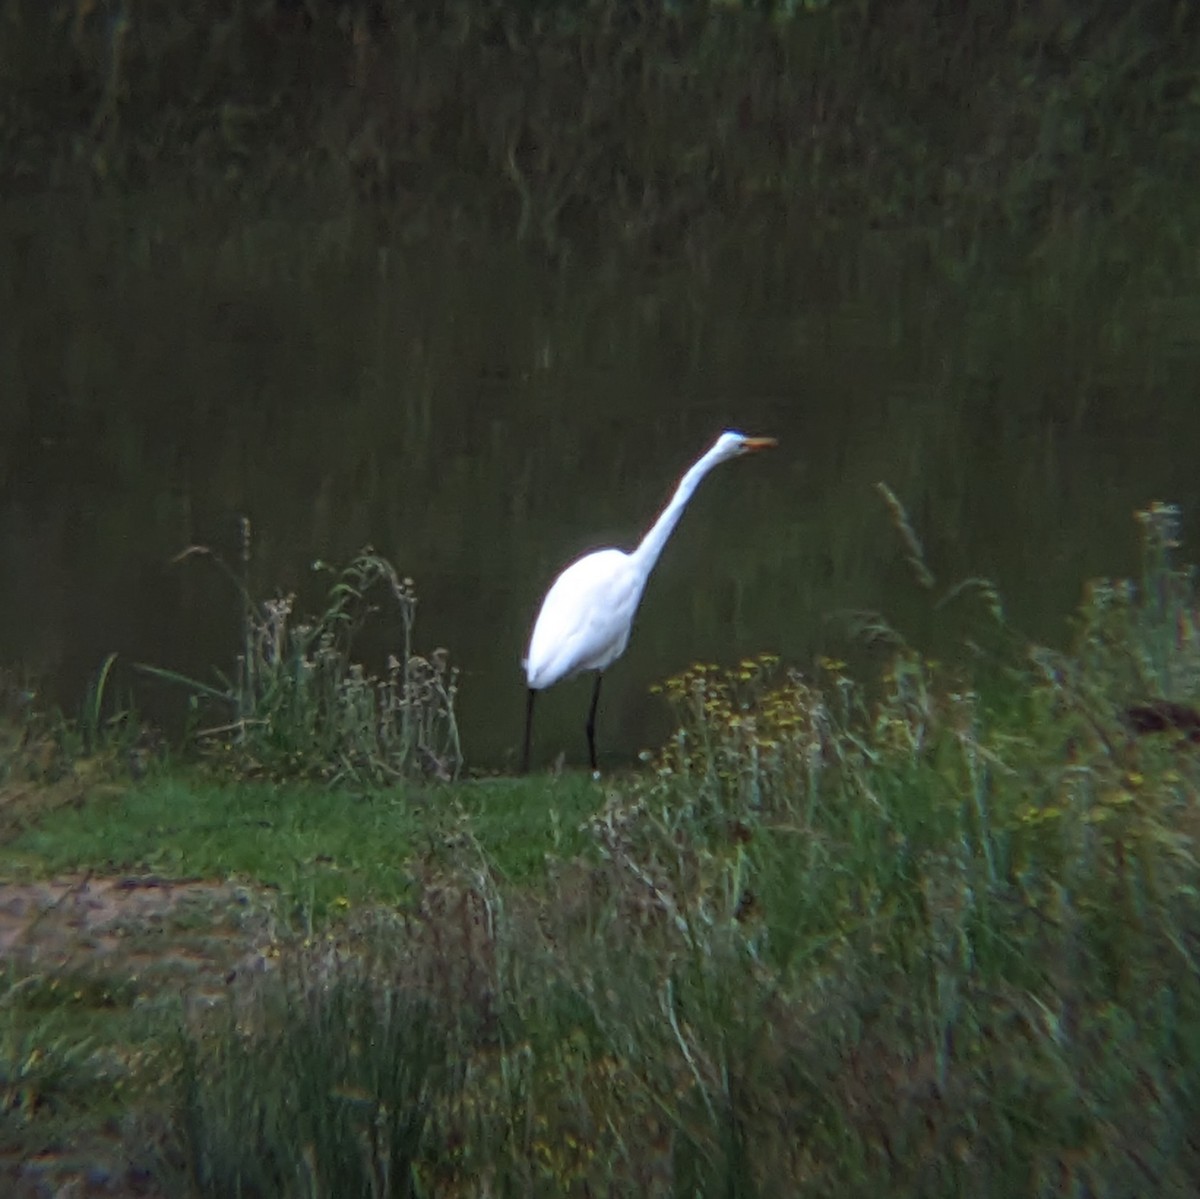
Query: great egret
x=586, y=616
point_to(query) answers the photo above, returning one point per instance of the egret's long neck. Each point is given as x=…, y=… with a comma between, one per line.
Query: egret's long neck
x=646, y=554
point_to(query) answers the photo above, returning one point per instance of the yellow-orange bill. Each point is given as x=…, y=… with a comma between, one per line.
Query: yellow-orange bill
x=759, y=443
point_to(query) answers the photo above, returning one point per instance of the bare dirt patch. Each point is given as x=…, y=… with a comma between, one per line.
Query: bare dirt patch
x=196, y=930
x=88, y=939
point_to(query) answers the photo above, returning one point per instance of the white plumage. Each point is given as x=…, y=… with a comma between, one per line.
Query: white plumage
x=586, y=617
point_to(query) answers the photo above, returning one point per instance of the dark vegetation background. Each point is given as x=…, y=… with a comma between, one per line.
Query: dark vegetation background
x=584, y=126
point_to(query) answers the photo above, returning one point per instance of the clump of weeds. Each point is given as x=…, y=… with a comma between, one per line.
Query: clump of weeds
x=48, y=758
x=299, y=705
x=976, y=918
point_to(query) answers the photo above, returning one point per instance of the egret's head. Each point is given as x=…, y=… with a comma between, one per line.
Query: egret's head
x=733, y=445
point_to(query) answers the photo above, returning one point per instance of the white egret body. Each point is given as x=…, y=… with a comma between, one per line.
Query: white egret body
x=586, y=617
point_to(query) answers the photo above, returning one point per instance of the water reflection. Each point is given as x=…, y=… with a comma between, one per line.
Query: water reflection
x=481, y=420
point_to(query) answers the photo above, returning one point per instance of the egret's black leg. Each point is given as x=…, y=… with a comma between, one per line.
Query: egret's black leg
x=528, y=730
x=591, y=723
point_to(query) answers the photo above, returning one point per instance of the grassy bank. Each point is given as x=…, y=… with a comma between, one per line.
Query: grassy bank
x=929, y=933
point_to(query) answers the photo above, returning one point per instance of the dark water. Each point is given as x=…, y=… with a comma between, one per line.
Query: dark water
x=481, y=420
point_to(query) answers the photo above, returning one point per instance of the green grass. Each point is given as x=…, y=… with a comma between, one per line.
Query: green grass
x=82, y=1056
x=314, y=843
x=89, y=1039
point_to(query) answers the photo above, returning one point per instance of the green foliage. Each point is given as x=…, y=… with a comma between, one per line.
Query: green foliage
x=49, y=761
x=844, y=940
x=45, y=746
x=299, y=705
x=73, y=1053
x=360, y=1062
x=41, y=1064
